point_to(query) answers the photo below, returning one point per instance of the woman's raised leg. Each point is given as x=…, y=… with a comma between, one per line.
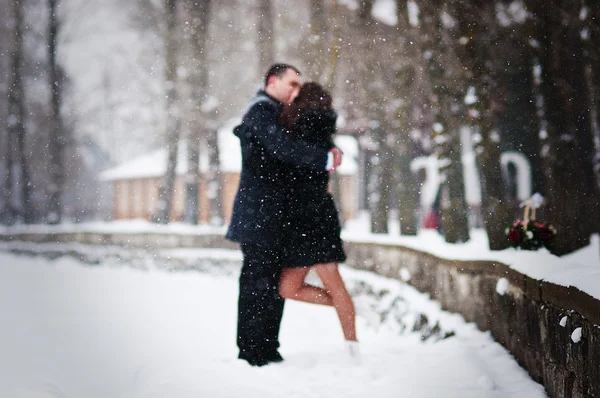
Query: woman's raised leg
x=292, y=286
x=335, y=287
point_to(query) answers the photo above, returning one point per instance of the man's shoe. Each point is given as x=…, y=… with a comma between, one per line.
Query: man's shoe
x=261, y=359
x=254, y=360
x=274, y=356
x=257, y=361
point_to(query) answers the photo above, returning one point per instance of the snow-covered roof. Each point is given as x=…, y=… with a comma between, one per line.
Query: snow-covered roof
x=383, y=10
x=230, y=155
x=349, y=146
x=154, y=164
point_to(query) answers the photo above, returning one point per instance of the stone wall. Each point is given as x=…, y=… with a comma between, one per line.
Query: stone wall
x=533, y=319
x=525, y=318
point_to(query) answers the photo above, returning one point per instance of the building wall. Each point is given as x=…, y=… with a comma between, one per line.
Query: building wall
x=138, y=198
x=230, y=182
x=121, y=200
x=152, y=188
x=349, y=196
x=178, y=200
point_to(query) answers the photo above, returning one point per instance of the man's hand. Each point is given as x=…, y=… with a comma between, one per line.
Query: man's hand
x=337, y=158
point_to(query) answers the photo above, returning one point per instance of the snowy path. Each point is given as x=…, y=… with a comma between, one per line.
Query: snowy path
x=71, y=330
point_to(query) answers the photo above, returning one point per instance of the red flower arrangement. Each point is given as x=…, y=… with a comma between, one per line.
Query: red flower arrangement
x=529, y=234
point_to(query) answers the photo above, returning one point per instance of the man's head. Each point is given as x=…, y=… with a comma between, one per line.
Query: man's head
x=312, y=96
x=282, y=82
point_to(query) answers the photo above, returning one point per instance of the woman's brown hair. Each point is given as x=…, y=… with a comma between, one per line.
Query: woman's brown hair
x=312, y=96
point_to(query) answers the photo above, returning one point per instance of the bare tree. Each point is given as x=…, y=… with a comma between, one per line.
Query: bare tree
x=5, y=78
x=57, y=139
x=380, y=179
x=330, y=72
x=408, y=93
x=322, y=45
x=17, y=180
x=593, y=60
x=316, y=49
x=266, y=40
x=370, y=90
x=479, y=36
x=364, y=9
x=323, y=52
x=196, y=118
x=448, y=81
x=570, y=188
x=173, y=122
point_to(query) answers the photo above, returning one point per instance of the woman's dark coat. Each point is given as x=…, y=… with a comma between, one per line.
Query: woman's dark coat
x=314, y=232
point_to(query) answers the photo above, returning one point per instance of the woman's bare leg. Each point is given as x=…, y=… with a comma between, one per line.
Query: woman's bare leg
x=292, y=286
x=335, y=287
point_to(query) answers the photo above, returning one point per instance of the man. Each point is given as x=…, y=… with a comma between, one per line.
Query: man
x=257, y=221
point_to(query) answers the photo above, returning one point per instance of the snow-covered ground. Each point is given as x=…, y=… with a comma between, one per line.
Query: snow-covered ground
x=109, y=322
x=109, y=330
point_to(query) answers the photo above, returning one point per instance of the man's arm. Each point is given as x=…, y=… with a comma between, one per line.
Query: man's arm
x=262, y=125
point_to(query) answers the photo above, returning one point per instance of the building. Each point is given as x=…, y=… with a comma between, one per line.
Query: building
x=136, y=183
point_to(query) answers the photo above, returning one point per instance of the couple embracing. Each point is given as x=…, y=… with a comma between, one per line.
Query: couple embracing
x=283, y=216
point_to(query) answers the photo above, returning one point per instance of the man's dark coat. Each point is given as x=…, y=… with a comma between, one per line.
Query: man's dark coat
x=260, y=205
x=259, y=221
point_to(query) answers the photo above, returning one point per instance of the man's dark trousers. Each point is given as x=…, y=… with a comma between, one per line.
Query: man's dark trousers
x=260, y=307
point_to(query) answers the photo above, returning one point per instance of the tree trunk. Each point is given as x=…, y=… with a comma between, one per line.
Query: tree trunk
x=9, y=211
x=14, y=93
x=5, y=158
x=315, y=43
x=494, y=203
x=567, y=179
x=479, y=25
x=195, y=117
x=454, y=214
x=57, y=138
x=372, y=96
x=333, y=49
x=593, y=62
x=266, y=41
x=582, y=120
x=321, y=45
x=364, y=9
x=381, y=181
x=172, y=125
x=17, y=180
x=192, y=180
x=214, y=179
x=407, y=188
x=447, y=75
x=6, y=175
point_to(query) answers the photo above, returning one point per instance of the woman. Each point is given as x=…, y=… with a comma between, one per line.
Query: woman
x=314, y=228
